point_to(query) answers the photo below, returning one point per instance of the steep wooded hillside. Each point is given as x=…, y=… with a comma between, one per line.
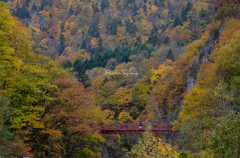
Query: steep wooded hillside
x=175, y=61
x=78, y=31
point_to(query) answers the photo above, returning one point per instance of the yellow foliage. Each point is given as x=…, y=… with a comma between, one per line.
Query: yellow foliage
x=144, y=27
x=154, y=9
x=200, y=5
x=124, y=117
x=186, y=35
x=196, y=104
x=152, y=147
x=36, y=28
x=144, y=39
x=162, y=72
x=123, y=97
x=44, y=14
x=98, y=82
x=121, y=33
x=165, y=12
x=231, y=27
x=43, y=43
x=94, y=42
x=109, y=116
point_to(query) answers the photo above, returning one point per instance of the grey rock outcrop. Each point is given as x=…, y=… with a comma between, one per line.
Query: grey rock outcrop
x=203, y=57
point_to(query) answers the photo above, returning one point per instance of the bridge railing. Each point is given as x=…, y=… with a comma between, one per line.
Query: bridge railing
x=137, y=127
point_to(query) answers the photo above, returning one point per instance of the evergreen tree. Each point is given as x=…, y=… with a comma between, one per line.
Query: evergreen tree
x=131, y=28
x=113, y=27
x=62, y=44
x=202, y=13
x=34, y=7
x=189, y=6
x=185, y=10
x=27, y=2
x=105, y=4
x=95, y=7
x=71, y=11
x=68, y=64
x=43, y=4
x=177, y=22
x=170, y=55
x=93, y=29
x=154, y=36
x=100, y=42
x=23, y=12
x=145, y=8
x=184, y=13
x=18, y=12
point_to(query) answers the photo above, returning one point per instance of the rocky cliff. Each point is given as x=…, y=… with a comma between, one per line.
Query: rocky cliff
x=203, y=57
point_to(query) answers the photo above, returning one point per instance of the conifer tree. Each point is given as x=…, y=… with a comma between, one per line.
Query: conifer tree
x=105, y=4
x=170, y=55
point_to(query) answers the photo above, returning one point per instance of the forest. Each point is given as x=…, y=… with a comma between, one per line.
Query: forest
x=70, y=67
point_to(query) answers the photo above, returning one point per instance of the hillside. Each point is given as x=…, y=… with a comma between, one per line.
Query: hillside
x=76, y=31
x=119, y=61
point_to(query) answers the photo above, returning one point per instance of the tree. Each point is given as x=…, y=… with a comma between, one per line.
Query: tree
x=170, y=55
x=226, y=8
x=71, y=11
x=184, y=13
x=43, y=4
x=141, y=92
x=93, y=29
x=202, y=14
x=177, y=22
x=224, y=138
x=105, y=4
x=144, y=27
x=185, y=10
x=5, y=134
x=189, y=6
x=72, y=120
x=113, y=26
x=123, y=97
x=152, y=147
x=124, y=117
x=130, y=27
x=23, y=12
x=52, y=31
x=111, y=64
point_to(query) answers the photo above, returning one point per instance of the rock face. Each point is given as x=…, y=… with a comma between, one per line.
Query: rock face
x=202, y=58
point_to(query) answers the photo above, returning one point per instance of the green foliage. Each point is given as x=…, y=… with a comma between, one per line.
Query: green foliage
x=40, y=102
x=23, y=11
x=51, y=114
x=117, y=24
x=141, y=92
x=93, y=29
x=224, y=139
x=5, y=134
x=100, y=60
x=206, y=123
x=150, y=146
x=113, y=27
x=177, y=22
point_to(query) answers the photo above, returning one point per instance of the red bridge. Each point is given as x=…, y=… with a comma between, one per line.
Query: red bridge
x=136, y=128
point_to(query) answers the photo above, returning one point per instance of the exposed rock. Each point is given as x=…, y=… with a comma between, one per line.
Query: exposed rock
x=202, y=58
